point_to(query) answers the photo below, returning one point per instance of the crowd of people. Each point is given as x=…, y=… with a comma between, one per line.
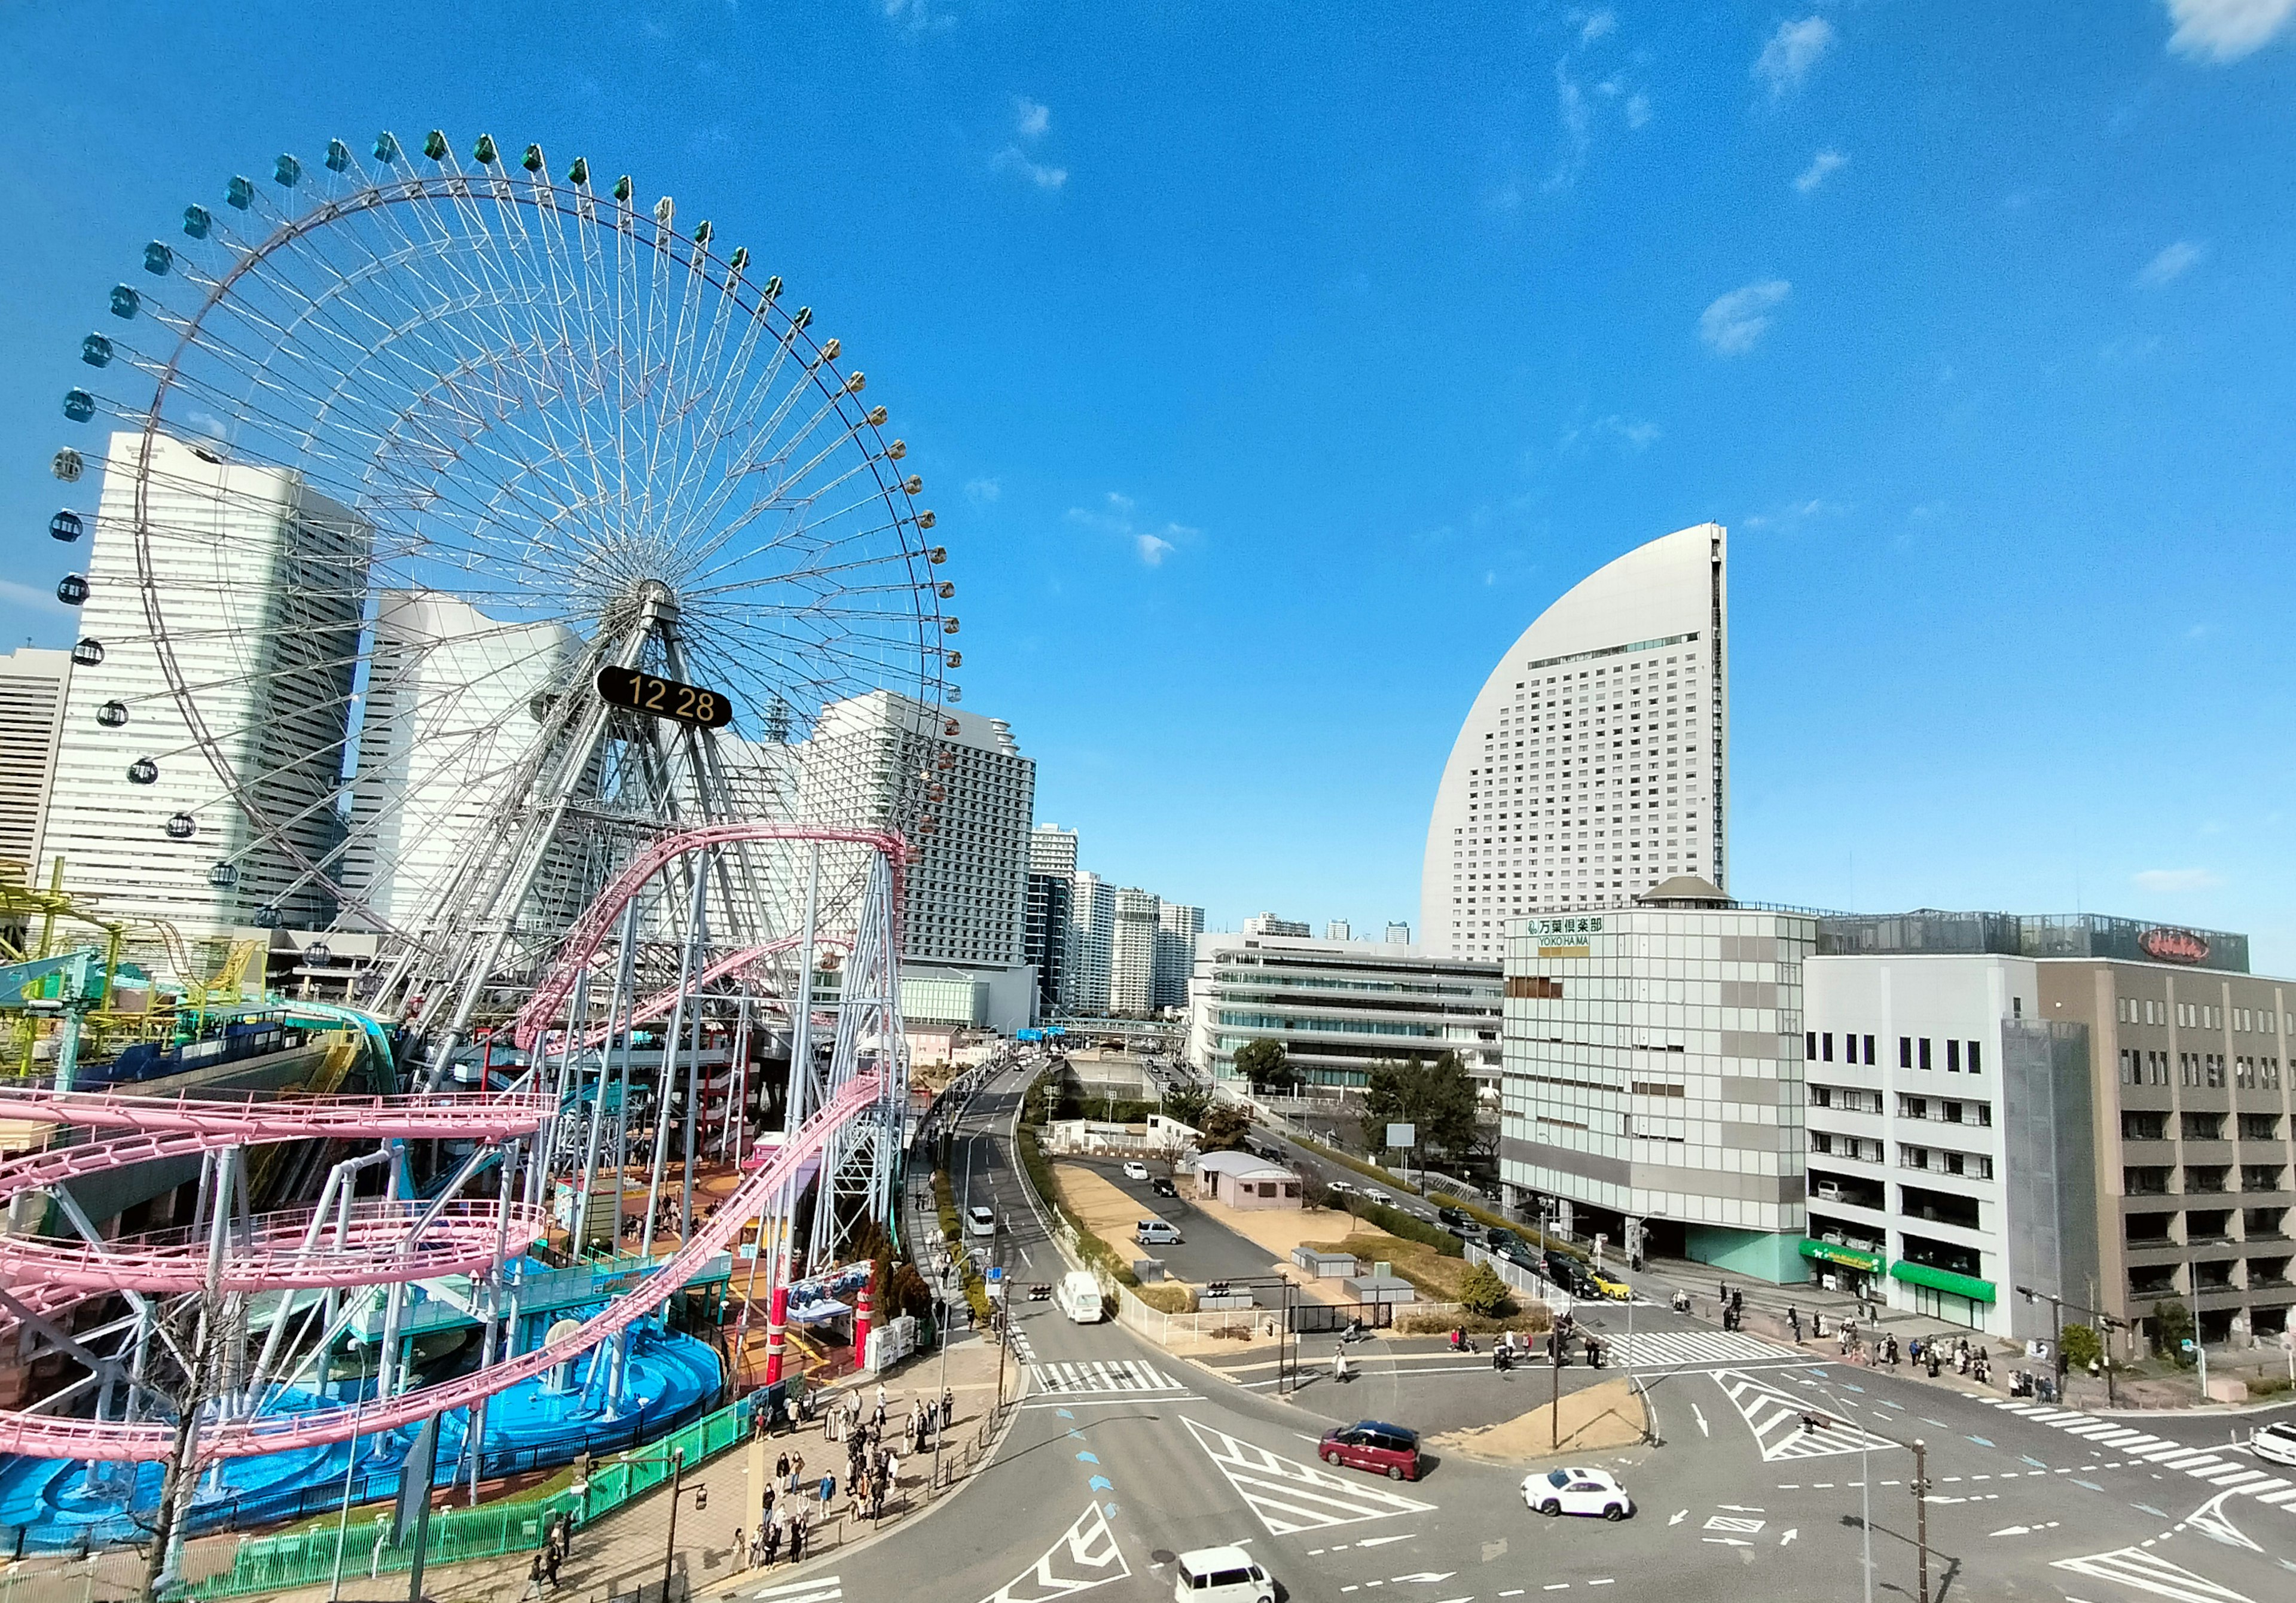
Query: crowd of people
x=873, y=1437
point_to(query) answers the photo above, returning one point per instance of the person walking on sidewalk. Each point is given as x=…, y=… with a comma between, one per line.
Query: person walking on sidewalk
x=782, y=1472
x=1794, y=1322
x=797, y=1531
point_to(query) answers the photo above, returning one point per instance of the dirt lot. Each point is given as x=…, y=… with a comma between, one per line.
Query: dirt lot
x=1608, y=1415
x=1107, y=1212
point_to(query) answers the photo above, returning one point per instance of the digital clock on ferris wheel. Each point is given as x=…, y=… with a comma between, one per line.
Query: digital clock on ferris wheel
x=644, y=692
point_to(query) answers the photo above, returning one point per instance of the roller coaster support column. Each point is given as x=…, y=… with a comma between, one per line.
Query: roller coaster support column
x=861, y=1331
x=776, y=1326
x=617, y=1018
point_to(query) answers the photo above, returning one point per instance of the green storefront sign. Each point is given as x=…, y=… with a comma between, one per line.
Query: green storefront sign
x=1942, y=1279
x=1849, y=1257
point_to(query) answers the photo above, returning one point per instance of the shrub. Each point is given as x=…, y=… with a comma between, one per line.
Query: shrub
x=2172, y=1327
x=2082, y=1347
x=1169, y=1296
x=1483, y=1292
x=1395, y=1222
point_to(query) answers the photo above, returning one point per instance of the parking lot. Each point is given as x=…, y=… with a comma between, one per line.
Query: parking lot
x=1207, y=1250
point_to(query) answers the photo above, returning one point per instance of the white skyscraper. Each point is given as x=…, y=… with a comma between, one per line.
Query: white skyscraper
x=448, y=719
x=1092, y=940
x=1594, y=763
x=261, y=583
x=1337, y=929
x=965, y=895
x=1052, y=850
x=32, y=686
x=1132, y=952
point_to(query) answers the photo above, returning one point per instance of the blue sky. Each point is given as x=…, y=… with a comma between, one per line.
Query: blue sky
x=1274, y=366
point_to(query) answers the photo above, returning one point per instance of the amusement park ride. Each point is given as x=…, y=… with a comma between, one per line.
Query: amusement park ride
x=631, y=887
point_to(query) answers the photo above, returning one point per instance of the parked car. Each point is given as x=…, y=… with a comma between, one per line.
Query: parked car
x=1155, y=1232
x=1560, y=1266
x=1451, y=1219
x=1134, y=1169
x=1555, y=1492
x=1609, y=1284
x=1221, y=1575
x=1373, y=1444
x=1162, y=1187
x=2275, y=1441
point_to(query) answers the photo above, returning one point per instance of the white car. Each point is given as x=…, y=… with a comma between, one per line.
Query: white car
x=1577, y=1492
x=1339, y=1185
x=1221, y=1575
x=2275, y=1441
x=1135, y=1170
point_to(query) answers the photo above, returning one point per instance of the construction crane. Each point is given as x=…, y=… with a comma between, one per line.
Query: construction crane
x=84, y=978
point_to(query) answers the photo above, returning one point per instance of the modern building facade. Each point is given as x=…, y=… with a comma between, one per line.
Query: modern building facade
x=1091, y=945
x=1178, y=926
x=1341, y=1006
x=33, y=683
x=1397, y=934
x=1132, y=951
x=1052, y=850
x=262, y=583
x=1337, y=929
x=1653, y=1074
x=1045, y=936
x=1593, y=764
x=1267, y=923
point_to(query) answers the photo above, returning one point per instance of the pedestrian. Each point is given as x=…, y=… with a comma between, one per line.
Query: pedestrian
x=1794, y=1321
x=767, y=1512
x=741, y=1550
x=877, y=1420
x=893, y=1468
x=828, y=1491
x=534, y=1576
x=550, y=1568
x=948, y=1408
x=797, y=1540
x=880, y=1402
x=782, y=1472
x=797, y=1471
x=773, y=1541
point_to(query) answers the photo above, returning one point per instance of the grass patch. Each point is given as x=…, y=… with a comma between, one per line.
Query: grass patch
x=1169, y=1296
x=1474, y=1210
x=1431, y=1273
x=1532, y=1320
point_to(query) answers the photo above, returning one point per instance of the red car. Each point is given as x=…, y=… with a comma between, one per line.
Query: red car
x=1373, y=1444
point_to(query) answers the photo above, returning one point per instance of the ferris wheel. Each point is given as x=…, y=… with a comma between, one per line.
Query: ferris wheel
x=466, y=525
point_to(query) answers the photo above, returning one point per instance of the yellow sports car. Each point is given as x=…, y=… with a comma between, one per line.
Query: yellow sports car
x=1610, y=1284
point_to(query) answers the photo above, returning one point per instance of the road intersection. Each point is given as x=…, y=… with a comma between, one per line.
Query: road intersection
x=1121, y=1456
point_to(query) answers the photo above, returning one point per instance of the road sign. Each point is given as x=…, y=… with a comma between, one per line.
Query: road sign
x=1403, y=1136
x=644, y=692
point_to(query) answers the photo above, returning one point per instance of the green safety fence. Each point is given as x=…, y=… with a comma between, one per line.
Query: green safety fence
x=307, y=1558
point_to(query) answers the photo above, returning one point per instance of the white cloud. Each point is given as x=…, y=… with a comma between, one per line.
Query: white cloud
x=1822, y=166
x=1029, y=118
x=1154, y=549
x=35, y=600
x=1012, y=159
x=1115, y=517
x=2173, y=261
x=1736, y=322
x=1596, y=26
x=1571, y=111
x=1792, y=52
x=1638, y=108
x=2176, y=881
x=2224, y=30
x=918, y=16
x=984, y=489
x=1629, y=435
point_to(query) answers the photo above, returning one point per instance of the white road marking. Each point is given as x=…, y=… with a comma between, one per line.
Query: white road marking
x=819, y=1589
x=1700, y=1415
x=2133, y=1566
x=1775, y=1418
x=1289, y=1496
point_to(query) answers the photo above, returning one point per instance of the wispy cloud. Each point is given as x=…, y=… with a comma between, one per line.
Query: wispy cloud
x=1791, y=53
x=1577, y=123
x=1030, y=121
x=1118, y=516
x=2174, y=881
x=2173, y=261
x=2224, y=30
x=1822, y=166
x=983, y=490
x=1631, y=436
x=1736, y=322
x=1595, y=25
x=1638, y=108
x=1030, y=118
x=32, y=599
x=917, y=16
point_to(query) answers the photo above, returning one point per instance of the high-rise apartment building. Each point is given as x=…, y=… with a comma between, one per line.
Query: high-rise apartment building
x=448, y=722
x=1337, y=929
x=32, y=689
x=1397, y=934
x=261, y=583
x=1267, y=923
x=1045, y=939
x=1594, y=762
x=1132, y=952
x=1092, y=942
x=1052, y=850
x=1178, y=926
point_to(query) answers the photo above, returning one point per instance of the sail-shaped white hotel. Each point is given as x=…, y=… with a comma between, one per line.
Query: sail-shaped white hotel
x=1594, y=763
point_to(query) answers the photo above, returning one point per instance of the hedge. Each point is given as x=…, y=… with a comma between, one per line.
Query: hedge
x=1395, y=1222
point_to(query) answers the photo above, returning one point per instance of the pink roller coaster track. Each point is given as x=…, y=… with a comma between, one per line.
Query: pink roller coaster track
x=174, y=1126
x=548, y=1003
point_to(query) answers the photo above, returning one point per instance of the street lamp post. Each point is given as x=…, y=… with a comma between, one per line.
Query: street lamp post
x=701, y=1502
x=1815, y=1421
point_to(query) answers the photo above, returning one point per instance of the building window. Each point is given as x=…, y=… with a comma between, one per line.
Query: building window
x=1826, y=1046
x=2131, y=1069
x=1869, y=1051
x=1925, y=1054
x=1974, y=1066
x=2216, y=1071
x=1905, y=1051
x=1952, y=1057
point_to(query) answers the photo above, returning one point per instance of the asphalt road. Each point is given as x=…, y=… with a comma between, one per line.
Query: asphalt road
x=1122, y=1456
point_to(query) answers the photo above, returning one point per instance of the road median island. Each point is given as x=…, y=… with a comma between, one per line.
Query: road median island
x=1593, y=1419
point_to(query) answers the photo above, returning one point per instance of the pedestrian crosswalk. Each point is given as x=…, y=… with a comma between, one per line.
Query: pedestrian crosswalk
x=1098, y=1377
x=813, y=1589
x=1693, y=1349
x=2229, y=1468
x=1777, y=1419
x=2148, y=1572
x=1288, y=1495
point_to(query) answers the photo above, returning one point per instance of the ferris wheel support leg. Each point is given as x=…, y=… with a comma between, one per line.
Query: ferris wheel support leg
x=693, y=1081
x=666, y=1078
x=578, y=1227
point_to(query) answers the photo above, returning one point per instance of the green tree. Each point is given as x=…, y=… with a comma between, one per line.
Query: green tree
x=1225, y=1127
x=1482, y=1292
x=2082, y=1347
x=2172, y=1327
x=1262, y=1065
x=1188, y=1103
x=1439, y=1098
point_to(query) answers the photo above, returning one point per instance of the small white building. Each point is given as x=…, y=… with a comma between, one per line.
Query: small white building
x=1241, y=1181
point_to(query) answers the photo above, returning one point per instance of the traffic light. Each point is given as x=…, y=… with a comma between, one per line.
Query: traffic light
x=700, y=1499
x=1215, y=1288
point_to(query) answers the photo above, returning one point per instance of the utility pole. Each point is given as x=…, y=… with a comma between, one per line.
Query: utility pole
x=1922, y=1516
x=701, y=1502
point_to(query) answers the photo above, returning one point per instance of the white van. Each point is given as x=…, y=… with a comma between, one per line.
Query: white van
x=1221, y=1575
x=1155, y=1232
x=979, y=1222
x=1078, y=1297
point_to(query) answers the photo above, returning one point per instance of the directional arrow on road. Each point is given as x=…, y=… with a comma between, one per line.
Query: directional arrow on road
x=1679, y=1518
x=1100, y=1483
x=1790, y=1534
x=1085, y=1557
